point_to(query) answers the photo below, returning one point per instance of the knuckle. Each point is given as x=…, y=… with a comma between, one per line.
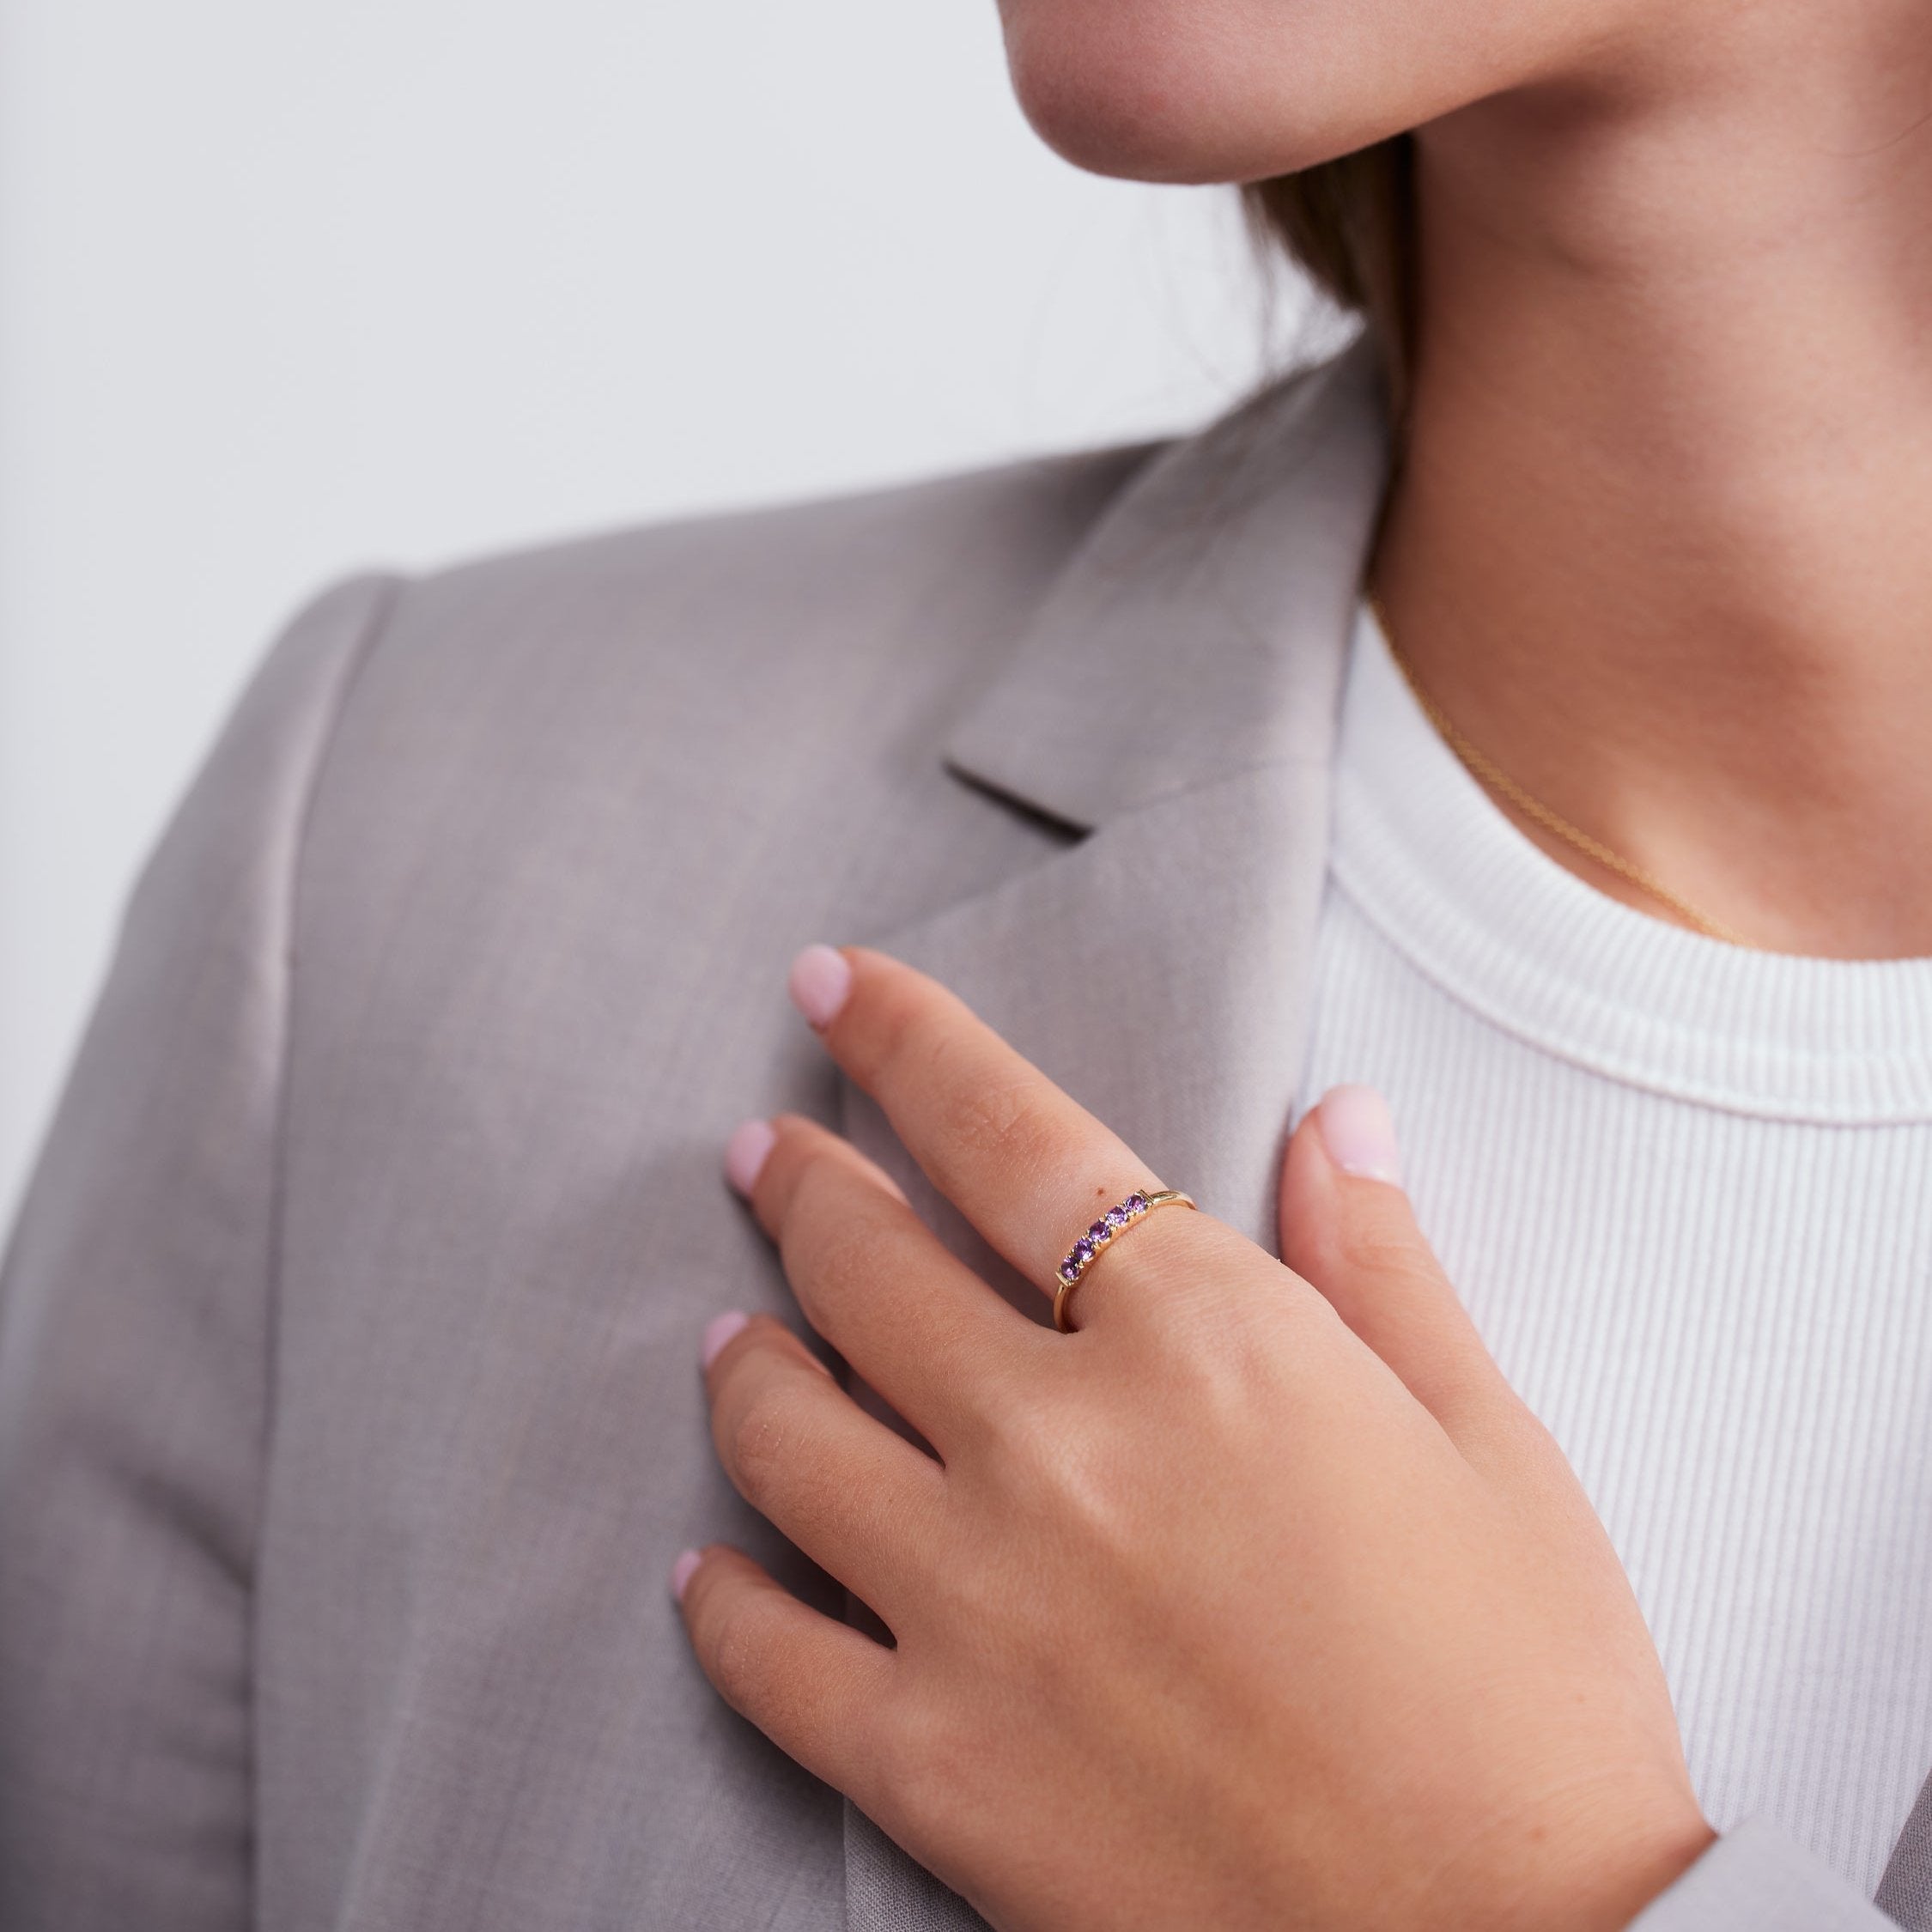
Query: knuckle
x=740, y=1652
x=1053, y=1458
x=844, y=1230
x=990, y=1119
x=827, y=1228
x=805, y=1201
x=762, y=1439
x=892, y=1010
x=928, y=1768
x=1016, y=1424
x=1183, y=1278
x=1172, y=1248
x=922, y=1039
x=1394, y=1257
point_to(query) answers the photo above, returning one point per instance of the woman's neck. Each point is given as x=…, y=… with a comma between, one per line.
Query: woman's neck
x=1661, y=544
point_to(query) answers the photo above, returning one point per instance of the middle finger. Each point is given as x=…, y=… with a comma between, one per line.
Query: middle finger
x=912, y=1320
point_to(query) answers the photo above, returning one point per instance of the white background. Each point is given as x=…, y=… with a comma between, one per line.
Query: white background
x=286, y=290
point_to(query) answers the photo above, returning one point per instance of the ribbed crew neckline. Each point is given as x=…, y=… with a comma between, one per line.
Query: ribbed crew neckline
x=1482, y=911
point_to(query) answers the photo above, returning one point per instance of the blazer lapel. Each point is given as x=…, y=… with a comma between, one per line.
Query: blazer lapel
x=1176, y=698
x=1159, y=972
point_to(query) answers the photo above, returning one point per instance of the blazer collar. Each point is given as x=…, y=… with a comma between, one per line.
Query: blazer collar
x=1197, y=631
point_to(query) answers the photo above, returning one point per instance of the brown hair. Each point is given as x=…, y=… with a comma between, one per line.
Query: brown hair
x=1350, y=223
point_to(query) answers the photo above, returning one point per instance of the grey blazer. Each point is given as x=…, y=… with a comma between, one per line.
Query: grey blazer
x=350, y=1417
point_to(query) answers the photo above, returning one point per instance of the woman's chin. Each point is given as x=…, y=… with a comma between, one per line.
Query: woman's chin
x=1141, y=94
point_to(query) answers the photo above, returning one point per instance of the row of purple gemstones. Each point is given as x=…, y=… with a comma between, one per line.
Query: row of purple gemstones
x=1100, y=1234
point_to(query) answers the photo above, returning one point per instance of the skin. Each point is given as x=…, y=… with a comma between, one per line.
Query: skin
x=1260, y=1600
x=1658, y=544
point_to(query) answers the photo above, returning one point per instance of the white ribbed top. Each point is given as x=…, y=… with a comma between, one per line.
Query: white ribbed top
x=1683, y=1188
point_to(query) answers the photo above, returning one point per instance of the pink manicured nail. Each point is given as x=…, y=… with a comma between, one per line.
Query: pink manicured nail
x=717, y=1331
x=745, y=1152
x=1359, y=1134
x=681, y=1574
x=819, y=981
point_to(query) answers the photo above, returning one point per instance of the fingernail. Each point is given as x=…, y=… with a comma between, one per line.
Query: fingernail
x=819, y=981
x=717, y=1331
x=1359, y=1134
x=745, y=1152
x=681, y=1573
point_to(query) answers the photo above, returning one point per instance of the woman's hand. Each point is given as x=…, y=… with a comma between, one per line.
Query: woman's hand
x=1260, y=1600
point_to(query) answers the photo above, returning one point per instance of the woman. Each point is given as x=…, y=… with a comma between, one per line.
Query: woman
x=348, y=1419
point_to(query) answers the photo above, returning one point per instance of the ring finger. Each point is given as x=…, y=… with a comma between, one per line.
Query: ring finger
x=1024, y=1162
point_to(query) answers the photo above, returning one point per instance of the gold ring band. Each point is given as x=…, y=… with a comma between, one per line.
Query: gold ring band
x=1116, y=1221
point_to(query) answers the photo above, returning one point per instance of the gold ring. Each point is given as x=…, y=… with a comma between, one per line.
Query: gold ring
x=1080, y=1257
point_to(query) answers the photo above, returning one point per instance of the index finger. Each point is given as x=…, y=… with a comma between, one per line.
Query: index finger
x=1024, y=1162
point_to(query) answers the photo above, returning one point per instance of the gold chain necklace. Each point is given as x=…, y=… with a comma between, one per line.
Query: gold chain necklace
x=1485, y=770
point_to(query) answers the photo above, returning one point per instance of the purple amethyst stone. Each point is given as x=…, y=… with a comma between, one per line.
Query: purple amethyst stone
x=1083, y=1252
x=1135, y=1204
x=1069, y=1269
x=1118, y=1218
x=1100, y=1234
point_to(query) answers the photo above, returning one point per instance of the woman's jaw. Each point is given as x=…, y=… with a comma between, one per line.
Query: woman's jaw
x=1238, y=90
